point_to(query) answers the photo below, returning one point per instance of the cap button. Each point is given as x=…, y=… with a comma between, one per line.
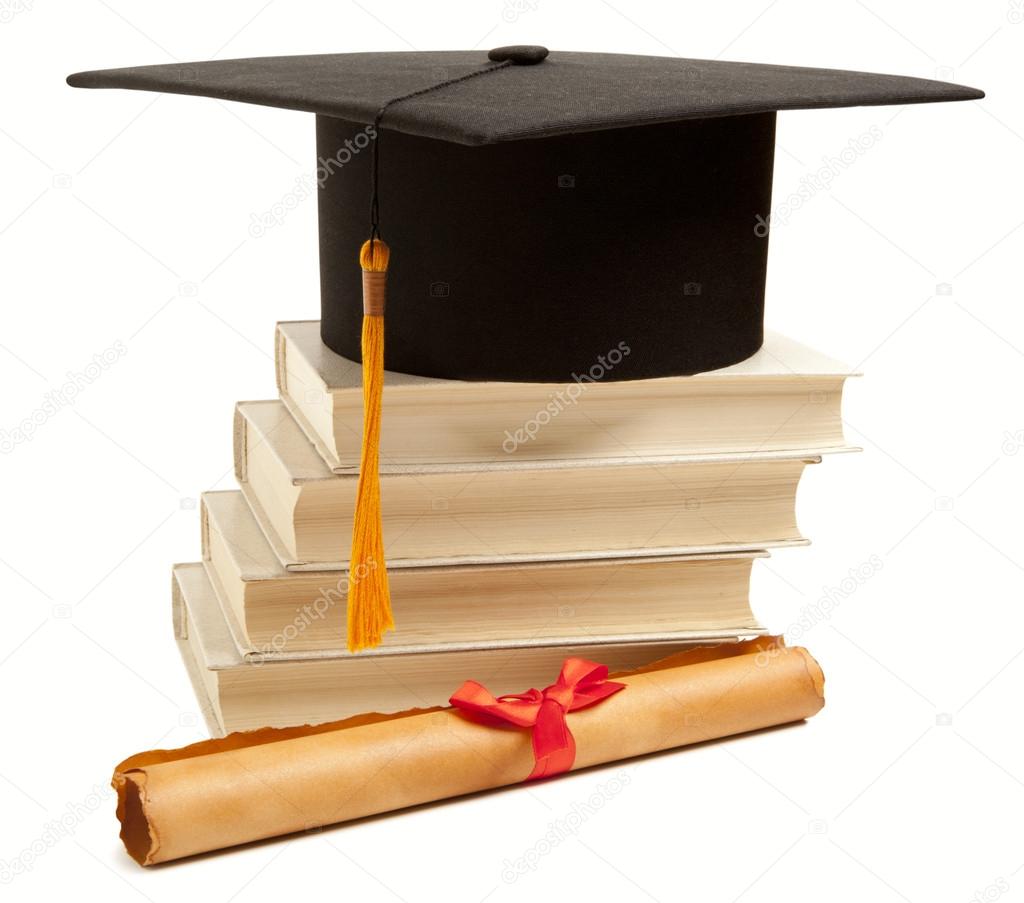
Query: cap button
x=519, y=54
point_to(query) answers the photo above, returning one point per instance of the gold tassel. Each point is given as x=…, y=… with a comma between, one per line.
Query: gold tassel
x=369, y=599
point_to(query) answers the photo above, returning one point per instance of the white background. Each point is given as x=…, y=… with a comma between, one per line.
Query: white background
x=124, y=218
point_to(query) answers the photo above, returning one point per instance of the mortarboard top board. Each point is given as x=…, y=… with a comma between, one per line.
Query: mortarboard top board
x=546, y=213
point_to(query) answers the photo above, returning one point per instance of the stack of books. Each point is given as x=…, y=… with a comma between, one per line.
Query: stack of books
x=523, y=523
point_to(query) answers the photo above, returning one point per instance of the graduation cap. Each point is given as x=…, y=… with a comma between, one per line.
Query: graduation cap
x=543, y=207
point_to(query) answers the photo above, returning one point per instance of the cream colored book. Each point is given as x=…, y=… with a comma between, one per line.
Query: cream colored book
x=273, y=610
x=784, y=398
x=564, y=510
x=238, y=692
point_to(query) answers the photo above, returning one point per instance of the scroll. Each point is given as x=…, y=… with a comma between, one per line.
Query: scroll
x=258, y=784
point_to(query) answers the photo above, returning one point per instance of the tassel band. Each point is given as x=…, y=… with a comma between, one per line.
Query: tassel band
x=374, y=293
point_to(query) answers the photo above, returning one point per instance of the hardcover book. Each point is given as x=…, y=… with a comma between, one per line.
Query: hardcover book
x=272, y=610
x=786, y=397
x=238, y=693
x=544, y=511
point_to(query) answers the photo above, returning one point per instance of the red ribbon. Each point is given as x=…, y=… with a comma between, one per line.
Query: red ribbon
x=580, y=684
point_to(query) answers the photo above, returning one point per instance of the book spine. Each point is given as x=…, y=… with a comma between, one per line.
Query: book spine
x=280, y=366
x=241, y=446
x=204, y=529
x=179, y=614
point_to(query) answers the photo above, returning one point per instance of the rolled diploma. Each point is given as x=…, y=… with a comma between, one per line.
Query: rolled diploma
x=252, y=785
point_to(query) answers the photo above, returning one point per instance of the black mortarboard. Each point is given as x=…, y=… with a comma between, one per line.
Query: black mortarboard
x=546, y=212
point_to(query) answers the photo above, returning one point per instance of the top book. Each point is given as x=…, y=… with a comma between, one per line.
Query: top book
x=784, y=399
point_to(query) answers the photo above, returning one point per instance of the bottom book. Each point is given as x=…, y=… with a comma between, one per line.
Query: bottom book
x=243, y=692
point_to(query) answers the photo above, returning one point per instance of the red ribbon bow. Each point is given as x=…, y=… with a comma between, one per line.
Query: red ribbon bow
x=580, y=684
